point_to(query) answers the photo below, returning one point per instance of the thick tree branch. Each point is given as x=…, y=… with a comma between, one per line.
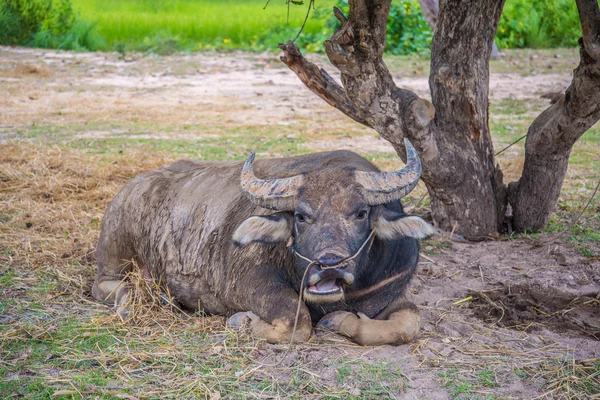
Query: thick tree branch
x=356, y=49
x=549, y=142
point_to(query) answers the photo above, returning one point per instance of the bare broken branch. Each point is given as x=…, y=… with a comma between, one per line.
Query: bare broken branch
x=356, y=50
x=369, y=94
x=318, y=81
x=339, y=15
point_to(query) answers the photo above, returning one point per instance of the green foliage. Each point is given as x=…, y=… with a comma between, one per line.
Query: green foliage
x=59, y=17
x=45, y=23
x=407, y=30
x=19, y=19
x=532, y=24
x=487, y=377
x=82, y=36
x=163, y=43
x=310, y=42
x=550, y=24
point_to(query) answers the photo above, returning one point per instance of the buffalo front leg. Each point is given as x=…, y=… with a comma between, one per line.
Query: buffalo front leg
x=400, y=326
x=112, y=291
x=272, y=313
x=278, y=331
x=114, y=257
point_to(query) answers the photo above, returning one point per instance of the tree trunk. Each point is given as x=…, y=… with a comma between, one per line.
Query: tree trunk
x=431, y=10
x=474, y=204
x=464, y=183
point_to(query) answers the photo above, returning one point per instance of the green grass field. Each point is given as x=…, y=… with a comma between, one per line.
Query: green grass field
x=193, y=24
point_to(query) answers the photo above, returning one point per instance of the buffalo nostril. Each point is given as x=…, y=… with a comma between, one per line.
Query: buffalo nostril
x=330, y=260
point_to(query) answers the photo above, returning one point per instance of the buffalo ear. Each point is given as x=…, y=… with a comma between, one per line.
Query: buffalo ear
x=264, y=229
x=390, y=225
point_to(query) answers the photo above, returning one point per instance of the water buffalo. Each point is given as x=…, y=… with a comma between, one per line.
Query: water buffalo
x=224, y=241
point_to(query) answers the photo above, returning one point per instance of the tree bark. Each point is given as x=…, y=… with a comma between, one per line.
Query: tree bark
x=431, y=10
x=553, y=134
x=466, y=189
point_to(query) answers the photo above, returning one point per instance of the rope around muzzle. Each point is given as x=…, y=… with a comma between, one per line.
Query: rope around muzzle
x=345, y=260
x=301, y=294
x=315, y=262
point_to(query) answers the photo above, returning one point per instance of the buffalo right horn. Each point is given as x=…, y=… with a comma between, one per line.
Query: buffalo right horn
x=274, y=194
x=385, y=187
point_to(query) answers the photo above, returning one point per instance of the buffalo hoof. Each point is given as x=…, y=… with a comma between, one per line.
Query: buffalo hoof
x=241, y=319
x=333, y=321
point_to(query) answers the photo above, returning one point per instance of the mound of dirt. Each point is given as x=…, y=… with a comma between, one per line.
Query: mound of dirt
x=530, y=307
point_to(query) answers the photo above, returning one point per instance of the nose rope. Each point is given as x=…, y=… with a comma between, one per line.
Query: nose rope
x=296, y=317
x=342, y=261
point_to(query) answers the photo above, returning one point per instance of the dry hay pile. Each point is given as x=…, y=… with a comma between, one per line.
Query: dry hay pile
x=51, y=206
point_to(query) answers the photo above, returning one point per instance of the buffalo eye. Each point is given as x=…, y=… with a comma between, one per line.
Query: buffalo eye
x=300, y=218
x=362, y=214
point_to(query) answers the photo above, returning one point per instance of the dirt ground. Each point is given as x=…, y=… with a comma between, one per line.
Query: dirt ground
x=513, y=317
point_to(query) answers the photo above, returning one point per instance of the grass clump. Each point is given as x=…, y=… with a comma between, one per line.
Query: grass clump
x=455, y=384
x=368, y=379
x=569, y=378
x=474, y=385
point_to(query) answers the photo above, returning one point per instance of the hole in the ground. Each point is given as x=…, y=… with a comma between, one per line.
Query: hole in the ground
x=531, y=307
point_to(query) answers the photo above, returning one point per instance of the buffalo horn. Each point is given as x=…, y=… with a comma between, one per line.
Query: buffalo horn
x=385, y=187
x=274, y=194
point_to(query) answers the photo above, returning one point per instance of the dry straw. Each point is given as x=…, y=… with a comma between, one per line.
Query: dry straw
x=52, y=201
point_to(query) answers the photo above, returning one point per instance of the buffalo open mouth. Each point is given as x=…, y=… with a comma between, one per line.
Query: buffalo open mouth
x=326, y=286
x=328, y=282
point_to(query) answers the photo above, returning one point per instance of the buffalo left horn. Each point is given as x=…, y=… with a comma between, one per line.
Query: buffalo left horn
x=385, y=187
x=274, y=194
